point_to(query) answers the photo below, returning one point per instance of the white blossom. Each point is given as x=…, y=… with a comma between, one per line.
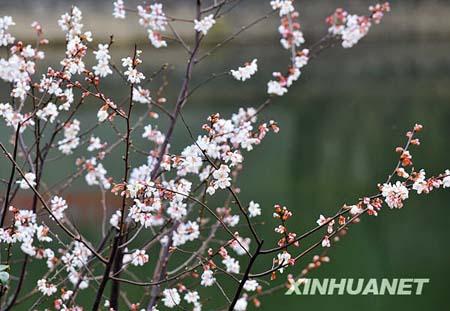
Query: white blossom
x=171, y=297
x=71, y=139
x=207, y=278
x=137, y=258
x=284, y=259
x=285, y=6
x=119, y=9
x=275, y=88
x=231, y=264
x=244, y=73
x=115, y=219
x=156, y=39
x=205, y=24
x=326, y=242
x=102, y=68
x=5, y=37
x=394, y=194
x=253, y=209
x=446, y=180
x=31, y=178
x=102, y=114
x=134, y=76
x=221, y=176
x=241, y=304
x=46, y=288
x=141, y=95
x=95, y=144
x=48, y=113
x=96, y=174
x=251, y=285
x=191, y=297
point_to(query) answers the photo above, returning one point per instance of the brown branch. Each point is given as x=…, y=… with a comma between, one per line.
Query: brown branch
x=115, y=260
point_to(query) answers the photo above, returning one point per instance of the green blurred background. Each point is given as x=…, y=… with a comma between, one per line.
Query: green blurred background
x=339, y=126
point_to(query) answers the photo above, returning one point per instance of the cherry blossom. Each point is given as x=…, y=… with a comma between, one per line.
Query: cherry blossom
x=102, y=68
x=246, y=72
x=241, y=245
x=253, y=209
x=326, y=242
x=420, y=184
x=96, y=174
x=58, y=206
x=66, y=295
x=156, y=39
x=154, y=20
x=192, y=297
x=222, y=177
x=5, y=37
x=241, y=304
x=351, y=28
x=13, y=118
x=231, y=264
x=48, y=113
x=446, y=180
x=285, y=6
x=205, y=24
x=115, y=218
x=71, y=139
x=42, y=234
x=141, y=95
x=137, y=258
x=171, y=297
x=46, y=288
x=152, y=16
x=283, y=258
x=133, y=75
x=186, y=232
x=302, y=58
x=76, y=47
x=95, y=144
x=276, y=88
x=251, y=285
x=355, y=210
x=119, y=9
x=29, y=180
x=153, y=135
x=394, y=194
x=102, y=114
x=207, y=278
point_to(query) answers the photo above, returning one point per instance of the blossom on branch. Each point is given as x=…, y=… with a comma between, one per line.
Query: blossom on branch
x=246, y=72
x=205, y=24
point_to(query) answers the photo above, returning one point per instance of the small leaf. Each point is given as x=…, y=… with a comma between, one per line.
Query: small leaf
x=4, y=277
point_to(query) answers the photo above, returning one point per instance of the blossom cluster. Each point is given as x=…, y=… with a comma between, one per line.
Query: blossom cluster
x=24, y=231
x=102, y=68
x=71, y=139
x=246, y=72
x=151, y=17
x=393, y=194
x=96, y=174
x=20, y=65
x=5, y=37
x=77, y=40
x=205, y=24
x=291, y=39
x=351, y=28
x=133, y=75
